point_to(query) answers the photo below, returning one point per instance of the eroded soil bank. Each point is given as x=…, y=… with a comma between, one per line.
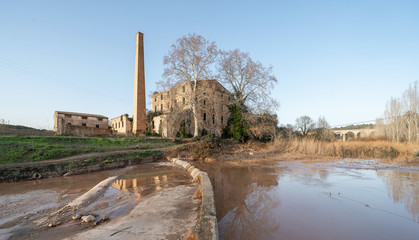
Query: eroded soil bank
x=159, y=195
x=340, y=199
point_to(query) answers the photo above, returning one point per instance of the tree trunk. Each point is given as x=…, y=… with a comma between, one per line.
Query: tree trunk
x=194, y=110
x=195, y=118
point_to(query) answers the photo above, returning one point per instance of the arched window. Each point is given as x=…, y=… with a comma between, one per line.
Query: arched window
x=205, y=117
x=213, y=119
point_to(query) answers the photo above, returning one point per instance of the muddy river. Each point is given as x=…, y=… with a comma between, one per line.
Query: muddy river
x=347, y=199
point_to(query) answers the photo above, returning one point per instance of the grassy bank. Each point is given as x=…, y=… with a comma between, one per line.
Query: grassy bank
x=403, y=152
x=79, y=165
x=21, y=149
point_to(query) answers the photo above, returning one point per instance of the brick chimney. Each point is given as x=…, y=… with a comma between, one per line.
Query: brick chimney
x=139, y=114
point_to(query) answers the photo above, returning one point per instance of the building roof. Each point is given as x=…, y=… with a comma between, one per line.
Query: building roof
x=81, y=114
x=127, y=117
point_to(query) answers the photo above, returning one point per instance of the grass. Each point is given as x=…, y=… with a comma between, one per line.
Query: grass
x=20, y=149
x=349, y=149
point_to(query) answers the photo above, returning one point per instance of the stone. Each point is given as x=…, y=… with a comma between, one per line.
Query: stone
x=75, y=217
x=36, y=176
x=88, y=218
x=54, y=224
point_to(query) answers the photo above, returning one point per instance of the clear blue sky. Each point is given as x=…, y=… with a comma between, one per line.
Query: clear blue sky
x=340, y=59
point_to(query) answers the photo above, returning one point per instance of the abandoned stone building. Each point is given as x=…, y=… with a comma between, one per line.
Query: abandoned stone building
x=173, y=109
x=80, y=123
x=121, y=125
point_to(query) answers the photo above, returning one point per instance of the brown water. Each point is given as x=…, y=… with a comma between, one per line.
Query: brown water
x=316, y=200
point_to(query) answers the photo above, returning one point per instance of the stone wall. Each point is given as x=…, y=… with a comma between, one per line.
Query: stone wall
x=206, y=226
x=86, y=131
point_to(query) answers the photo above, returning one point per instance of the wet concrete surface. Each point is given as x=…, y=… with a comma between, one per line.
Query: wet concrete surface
x=27, y=206
x=345, y=199
x=166, y=215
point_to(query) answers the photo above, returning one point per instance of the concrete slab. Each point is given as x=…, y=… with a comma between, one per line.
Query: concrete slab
x=169, y=214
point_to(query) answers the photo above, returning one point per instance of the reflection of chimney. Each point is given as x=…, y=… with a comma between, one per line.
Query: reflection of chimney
x=139, y=114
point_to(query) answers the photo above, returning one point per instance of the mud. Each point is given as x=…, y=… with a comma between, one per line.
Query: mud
x=345, y=199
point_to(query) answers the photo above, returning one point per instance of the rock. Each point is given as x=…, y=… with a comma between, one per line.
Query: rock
x=54, y=224
x=88, y=218
x=36, y=176
x=75, y=217
x=251, y=153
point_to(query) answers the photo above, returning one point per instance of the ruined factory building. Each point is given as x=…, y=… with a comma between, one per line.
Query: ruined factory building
x=121, y=125
x=173, y=114
x=80, y=123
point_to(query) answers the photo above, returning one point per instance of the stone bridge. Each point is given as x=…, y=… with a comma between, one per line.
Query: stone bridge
x=344, y=134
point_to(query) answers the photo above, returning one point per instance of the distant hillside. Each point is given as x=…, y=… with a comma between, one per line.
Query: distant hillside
x=361, y=126
x=23, y=130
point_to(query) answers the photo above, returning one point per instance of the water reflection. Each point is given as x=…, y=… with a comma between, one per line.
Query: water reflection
x=138, y=185
x=244, y=201
x=142, y=181
x=314, y=200
x=403, y=189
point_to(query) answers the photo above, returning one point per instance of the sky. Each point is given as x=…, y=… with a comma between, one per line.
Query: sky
x=339, y=59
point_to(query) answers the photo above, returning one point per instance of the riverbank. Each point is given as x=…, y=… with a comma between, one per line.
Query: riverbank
x=35, y=157
x=215, y=149
x=98, y=154
x=364, y=149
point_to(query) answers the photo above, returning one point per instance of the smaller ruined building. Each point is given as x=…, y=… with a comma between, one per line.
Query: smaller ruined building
x=121, y=125
x=80, y=123
x=173, y=114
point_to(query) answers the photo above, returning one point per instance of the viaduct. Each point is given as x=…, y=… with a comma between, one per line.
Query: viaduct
x=357, y=133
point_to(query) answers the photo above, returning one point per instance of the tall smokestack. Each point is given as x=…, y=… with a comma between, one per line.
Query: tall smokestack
x=139, y=114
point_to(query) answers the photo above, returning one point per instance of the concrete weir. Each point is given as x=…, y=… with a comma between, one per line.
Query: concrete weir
x=206, y=226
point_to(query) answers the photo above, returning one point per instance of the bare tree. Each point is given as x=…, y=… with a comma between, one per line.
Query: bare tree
x=392, y=114
x=322, y=128
x=322, y=123
x=304, y=124
x=411, y=120
x=248, y=80
x=189, y=61
x=401, y=116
